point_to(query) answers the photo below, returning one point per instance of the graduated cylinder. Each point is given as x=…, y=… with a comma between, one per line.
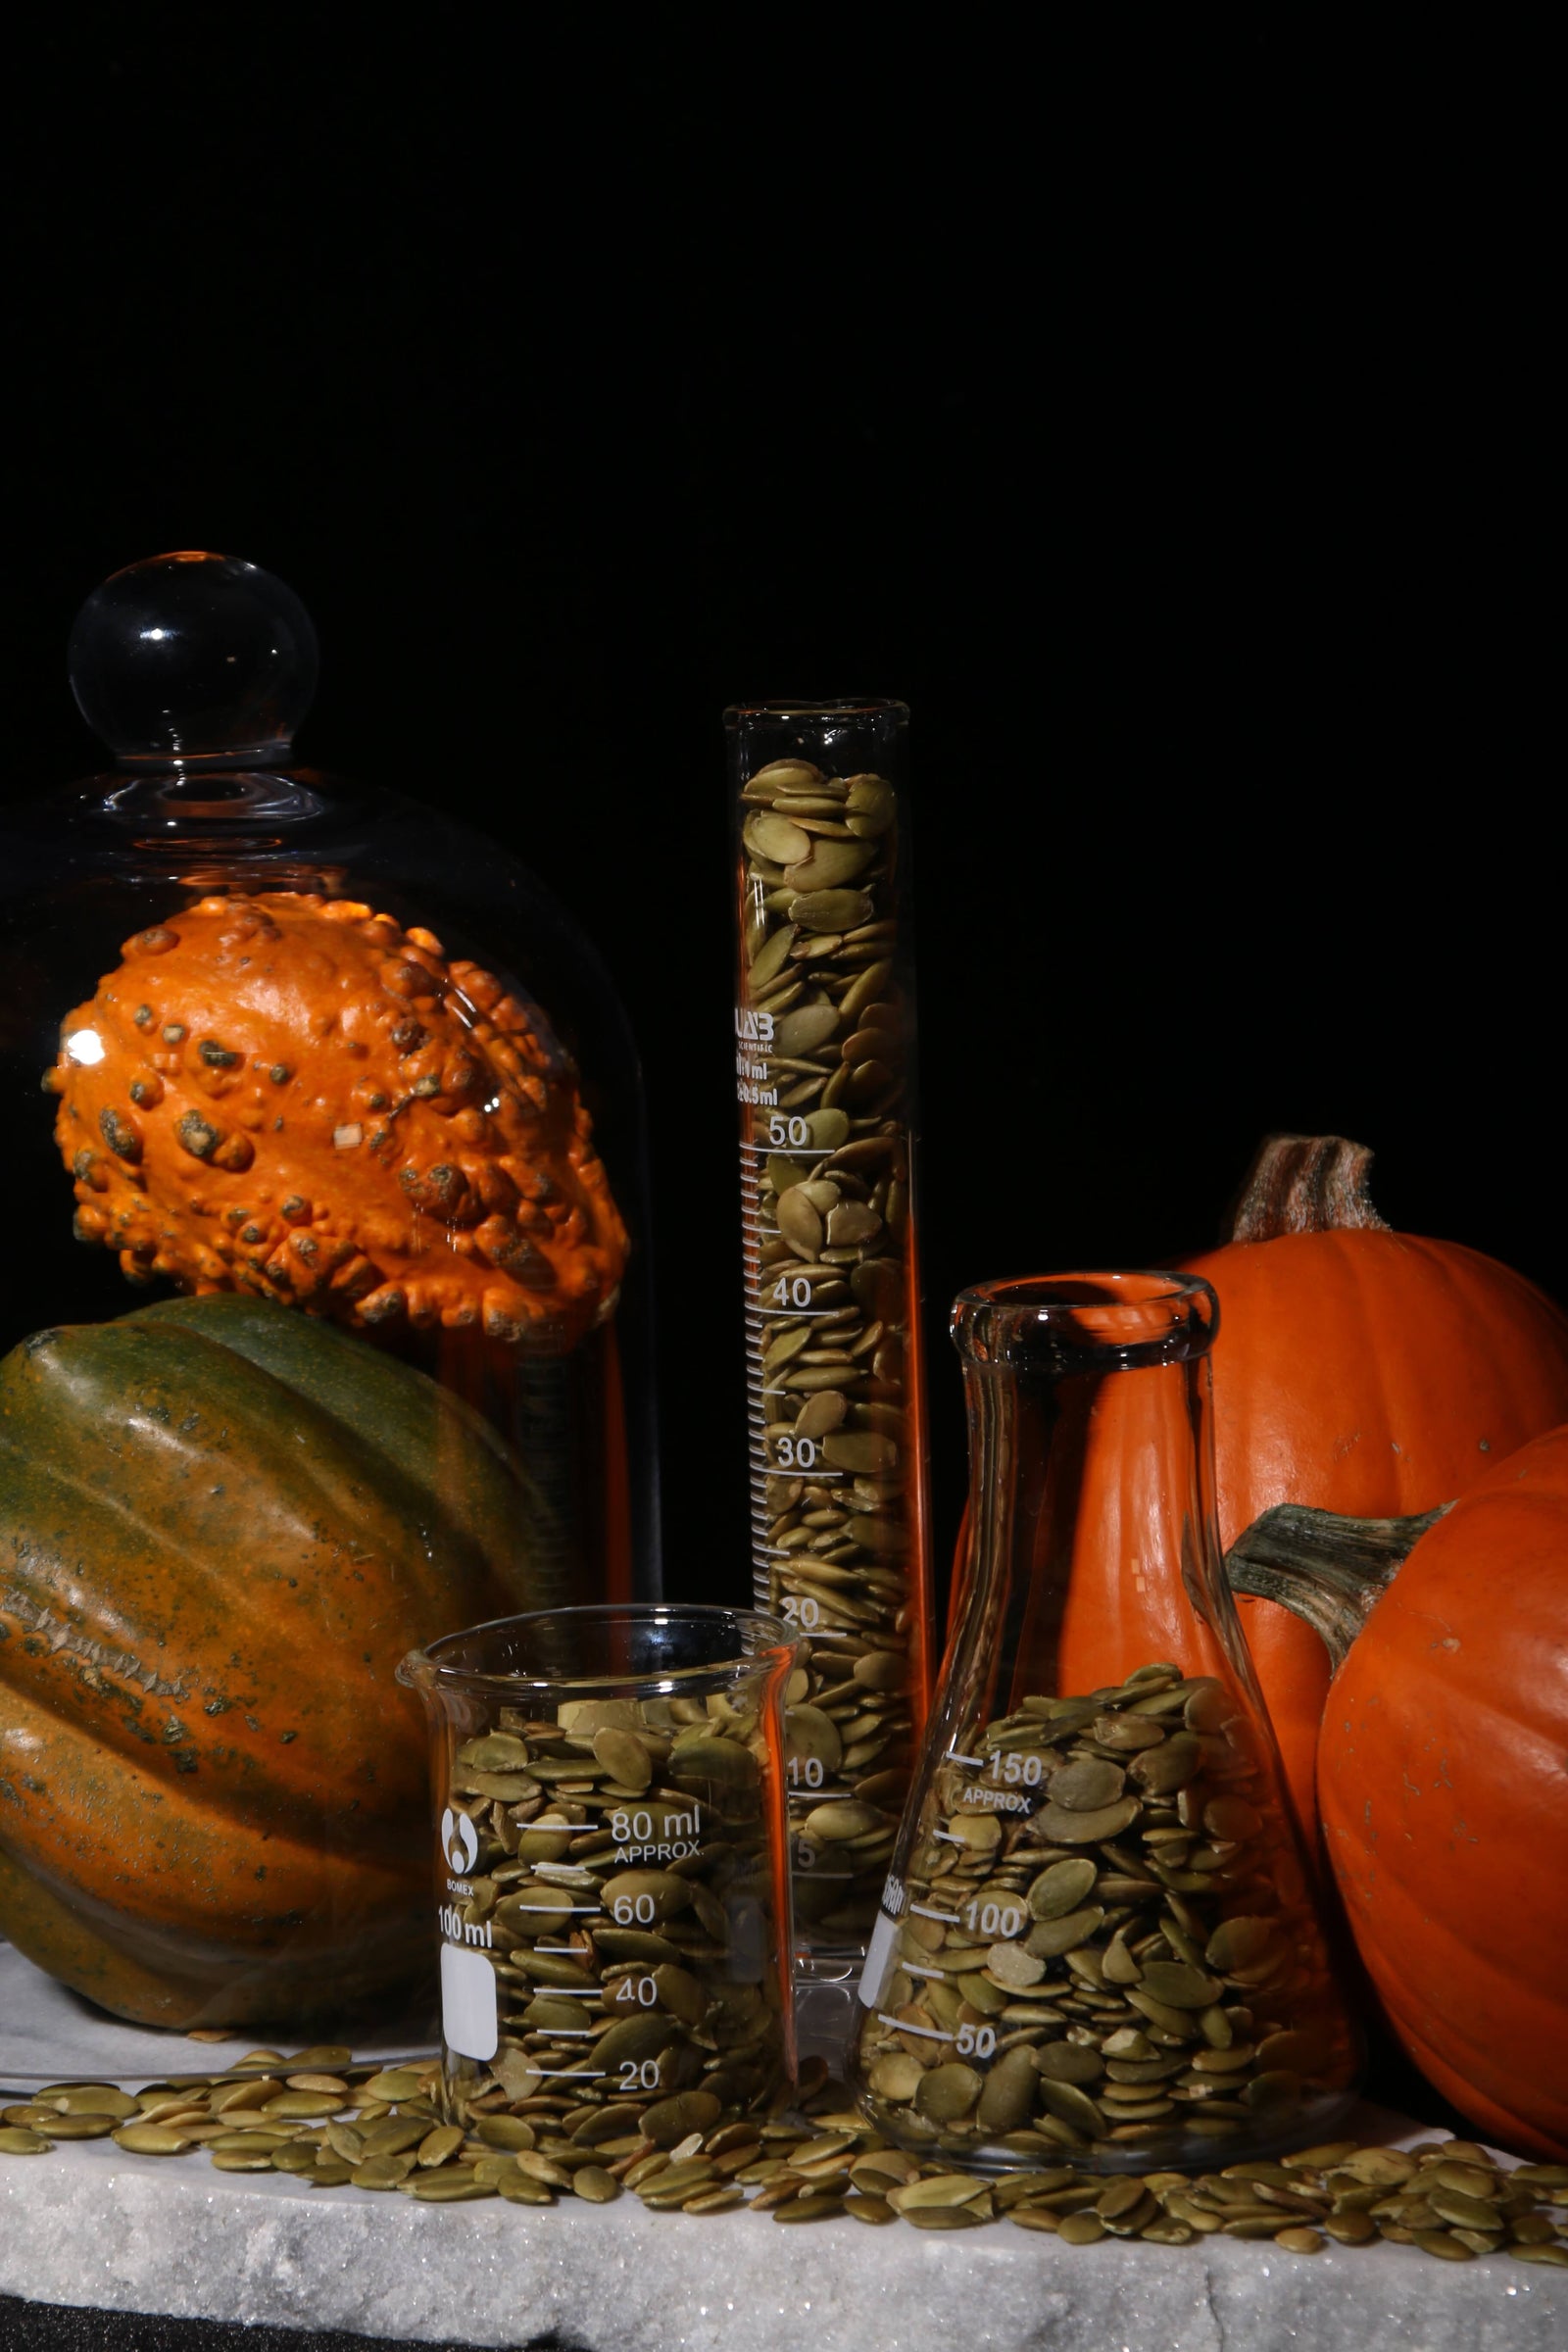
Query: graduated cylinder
x=824, y=1058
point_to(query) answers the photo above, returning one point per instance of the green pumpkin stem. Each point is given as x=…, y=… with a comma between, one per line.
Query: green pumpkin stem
x=1326, y=1570
x=1303, y=1184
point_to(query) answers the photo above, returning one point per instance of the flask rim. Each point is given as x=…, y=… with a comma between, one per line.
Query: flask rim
x=1117, y=1308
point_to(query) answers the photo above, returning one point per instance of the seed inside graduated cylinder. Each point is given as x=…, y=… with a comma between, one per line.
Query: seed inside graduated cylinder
x=1103, y=1944
x=622, y=1890
x=824, y=1017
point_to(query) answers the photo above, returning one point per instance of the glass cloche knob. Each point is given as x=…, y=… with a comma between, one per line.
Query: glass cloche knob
x=192, y=658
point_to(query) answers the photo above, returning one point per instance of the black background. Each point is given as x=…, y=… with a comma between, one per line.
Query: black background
x=1162, y=422
x=1169, y=445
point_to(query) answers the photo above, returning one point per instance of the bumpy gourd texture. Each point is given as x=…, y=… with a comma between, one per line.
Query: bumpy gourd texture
x=292, y=1096
x=222, y=1527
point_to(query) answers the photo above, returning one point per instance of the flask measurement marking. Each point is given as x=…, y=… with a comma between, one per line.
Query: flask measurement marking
x=926, y=2033
x=553, y=1910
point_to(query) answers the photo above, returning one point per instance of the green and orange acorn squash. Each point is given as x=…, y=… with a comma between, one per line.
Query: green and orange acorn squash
x=221, y=1525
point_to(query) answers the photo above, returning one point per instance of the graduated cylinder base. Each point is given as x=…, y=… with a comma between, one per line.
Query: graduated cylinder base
x=825, y=1986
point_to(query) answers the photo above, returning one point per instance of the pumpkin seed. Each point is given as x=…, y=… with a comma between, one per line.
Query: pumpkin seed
x=152, y=2139
x=1087, y=1785
x=1444, y=2244
x=813, y=2208
x=90, y=2098
x=1064, y=1825
x=1463, y=2212
x=76, y=2127
x=1062, y=1888
x=947, y=2091
x=17, y=2140
x=1145, y=2007
x=625, y=1757
x=518, y=2189
x=1080, y=2228
x=1049, y=1939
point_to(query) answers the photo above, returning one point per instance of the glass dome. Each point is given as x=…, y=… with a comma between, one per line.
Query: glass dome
x=329, y=1319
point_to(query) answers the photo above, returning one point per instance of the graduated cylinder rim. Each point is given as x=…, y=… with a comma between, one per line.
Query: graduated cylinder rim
x=846, y=706
x=440, y=1665
x=1127, y=1307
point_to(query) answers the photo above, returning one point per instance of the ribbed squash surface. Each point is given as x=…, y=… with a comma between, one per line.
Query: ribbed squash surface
x=221, y=1525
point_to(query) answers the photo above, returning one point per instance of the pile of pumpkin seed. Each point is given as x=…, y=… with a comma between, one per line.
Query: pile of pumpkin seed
x=1105, y=1942
x=329, y=2123
x=621, y=1885
x=836, y=1542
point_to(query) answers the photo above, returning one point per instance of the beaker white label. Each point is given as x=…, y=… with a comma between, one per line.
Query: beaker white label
x=878, y=1960
x=469, y=2021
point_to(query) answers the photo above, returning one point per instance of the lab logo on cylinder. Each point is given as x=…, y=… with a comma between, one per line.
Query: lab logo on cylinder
x=460, y=1841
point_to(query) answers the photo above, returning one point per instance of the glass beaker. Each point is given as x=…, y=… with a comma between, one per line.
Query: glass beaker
x=613, y=1873
x=835, y=1431
x=1099, y=1941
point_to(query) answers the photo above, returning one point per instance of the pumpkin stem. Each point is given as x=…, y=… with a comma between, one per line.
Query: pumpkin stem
x=1303, y=1184
x=1326, y=1570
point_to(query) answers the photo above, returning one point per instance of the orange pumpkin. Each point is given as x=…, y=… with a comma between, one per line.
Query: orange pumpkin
x=1362, y=1371
x=1443, y=1773
x=291, y=1096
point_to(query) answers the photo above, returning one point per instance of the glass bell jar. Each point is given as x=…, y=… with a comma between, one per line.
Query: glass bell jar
x=1098, y=1943
x=326, y=1331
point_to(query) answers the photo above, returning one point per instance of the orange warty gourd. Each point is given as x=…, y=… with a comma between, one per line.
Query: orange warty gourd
x=292, y=1096
x=1362, y=1371
x=1443, y=1773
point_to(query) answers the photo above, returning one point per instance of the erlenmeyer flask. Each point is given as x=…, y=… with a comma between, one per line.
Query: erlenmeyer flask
x=1099, y=1941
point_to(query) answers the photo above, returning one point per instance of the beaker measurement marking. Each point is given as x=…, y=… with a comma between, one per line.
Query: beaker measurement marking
x=553, y=1910
x=794, y=1314
x=556, y=1952
x=789, y=1151
x=926, y=2033
x=948, y=1917
x=574, y=2033
x=934, y=1974
x=575, y=2073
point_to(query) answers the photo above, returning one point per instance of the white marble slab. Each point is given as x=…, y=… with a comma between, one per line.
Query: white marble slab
x=49, y=2035
x=88, y=2225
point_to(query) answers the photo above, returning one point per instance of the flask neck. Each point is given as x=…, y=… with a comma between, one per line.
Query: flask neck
x=1090, y=1473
